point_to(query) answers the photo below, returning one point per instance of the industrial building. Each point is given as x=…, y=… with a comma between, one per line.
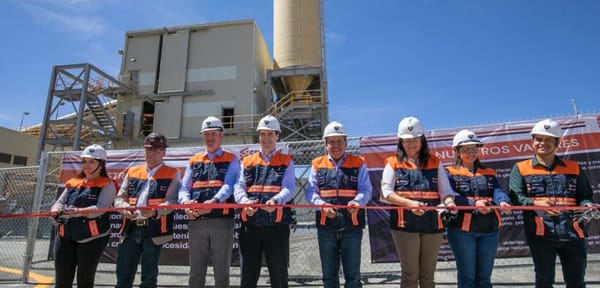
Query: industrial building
x=18, y=149
x=171, y=78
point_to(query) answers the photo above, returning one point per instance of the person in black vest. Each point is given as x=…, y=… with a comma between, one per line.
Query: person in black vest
x=209, y=178
x=267, y=177
x=83, y=234
x=144, y=231
x=547, y=180
x=341, y=179
x=473, y=235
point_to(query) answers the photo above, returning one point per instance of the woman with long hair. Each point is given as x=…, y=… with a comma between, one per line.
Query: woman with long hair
x=83, y=234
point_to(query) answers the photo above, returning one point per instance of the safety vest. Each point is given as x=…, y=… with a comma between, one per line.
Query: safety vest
x=338, y=187
x=83, y=194
x=418, y=184
x=559, y=185
x=474, y=186
x=137, y=177
x=208, y=176
x=263, y=181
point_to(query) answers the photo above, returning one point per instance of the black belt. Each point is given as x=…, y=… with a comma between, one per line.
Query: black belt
x=140, y=222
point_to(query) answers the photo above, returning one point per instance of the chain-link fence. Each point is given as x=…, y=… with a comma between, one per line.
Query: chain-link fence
x=17, y=187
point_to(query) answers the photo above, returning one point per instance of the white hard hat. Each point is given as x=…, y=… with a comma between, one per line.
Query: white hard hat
x=94, y=151
x=547, y=127
x=268, y=123
x=334, y=128
x=211, y=123
x=410, y=127
x=465, y=137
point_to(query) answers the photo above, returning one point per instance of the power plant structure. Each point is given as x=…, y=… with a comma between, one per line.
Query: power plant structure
x=171, y=78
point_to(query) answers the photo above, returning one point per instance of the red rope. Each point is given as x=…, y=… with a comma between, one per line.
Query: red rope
x=309, y=206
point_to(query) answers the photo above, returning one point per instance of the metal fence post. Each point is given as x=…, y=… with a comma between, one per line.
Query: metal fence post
x=34, y=222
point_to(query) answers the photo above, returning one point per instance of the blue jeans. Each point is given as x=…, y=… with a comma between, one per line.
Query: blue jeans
x=573, y=259
x=474, y=253
x=334, y=244
x=137, y=243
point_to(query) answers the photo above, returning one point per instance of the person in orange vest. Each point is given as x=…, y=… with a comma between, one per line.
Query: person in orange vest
x=473, y=235
x=338, y=178
x=415, y=178
x=83, y=235
x=267, y=177
x=144, y=231
x=209, y=178
x=544, y=181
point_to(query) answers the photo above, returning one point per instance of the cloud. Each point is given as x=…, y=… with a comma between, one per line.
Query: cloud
x=335, y=38
x=72, y=20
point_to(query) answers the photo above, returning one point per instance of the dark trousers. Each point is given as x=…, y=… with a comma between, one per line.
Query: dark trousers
x=573, y=259
x=274, y=241
x=71, y=256
x=137, y=243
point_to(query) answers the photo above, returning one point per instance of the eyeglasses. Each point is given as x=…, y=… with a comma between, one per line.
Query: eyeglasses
x=153, y=149
x=470, y=150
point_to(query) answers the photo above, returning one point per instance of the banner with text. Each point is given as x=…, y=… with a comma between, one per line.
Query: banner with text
x=505, y=144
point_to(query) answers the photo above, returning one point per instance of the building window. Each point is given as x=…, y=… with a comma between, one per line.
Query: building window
x=5, y=158
x=228, y=118
x=20, y=160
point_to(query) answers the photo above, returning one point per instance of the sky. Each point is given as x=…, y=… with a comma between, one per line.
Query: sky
x=450, y=63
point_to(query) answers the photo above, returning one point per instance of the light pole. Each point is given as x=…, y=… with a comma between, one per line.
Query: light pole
x=22, y=116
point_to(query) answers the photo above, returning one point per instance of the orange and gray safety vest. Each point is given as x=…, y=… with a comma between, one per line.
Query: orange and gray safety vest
x=83, y=194
x=559, y=185
x=137, y=177
x=418, y=184
x=338, y=187
x=263, y=182
x=474, y=186
x=208, y=176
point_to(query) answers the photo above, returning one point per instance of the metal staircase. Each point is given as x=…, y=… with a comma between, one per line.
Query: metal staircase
x=301, y=115
x=92, y=94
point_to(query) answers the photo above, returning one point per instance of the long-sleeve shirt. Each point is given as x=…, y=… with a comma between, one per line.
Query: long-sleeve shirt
x=516, y=185
x=363, y=194
x=288, y=183
x=231, y=177
x=105, y=200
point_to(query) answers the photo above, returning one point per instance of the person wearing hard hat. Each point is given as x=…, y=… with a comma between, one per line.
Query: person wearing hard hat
x=209, y=178
x=414, y=178
x=144, y=231
x=473, y=235
x=339, y=179
x=83, y=234
x=546, y=181
x=267, y=177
